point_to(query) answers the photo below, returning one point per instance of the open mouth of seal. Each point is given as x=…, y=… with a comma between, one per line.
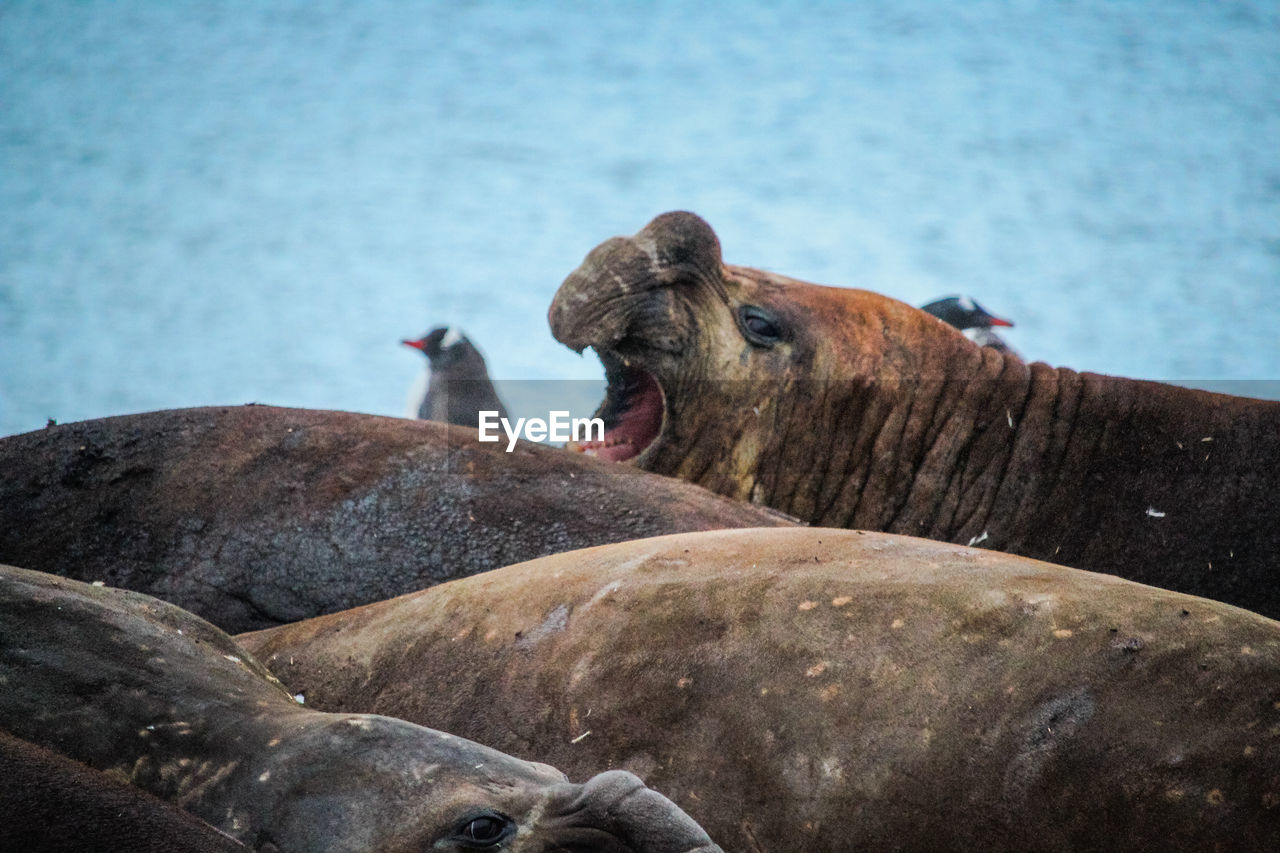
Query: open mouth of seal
x=633, y=410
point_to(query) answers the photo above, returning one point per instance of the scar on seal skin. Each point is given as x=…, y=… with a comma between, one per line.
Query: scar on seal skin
x=53, y=804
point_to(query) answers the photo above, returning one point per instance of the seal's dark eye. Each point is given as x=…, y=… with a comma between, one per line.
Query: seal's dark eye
x=759, y=326
x=483, y=831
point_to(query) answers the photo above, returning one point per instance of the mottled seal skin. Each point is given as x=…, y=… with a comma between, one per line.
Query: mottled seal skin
x=845, y=408
x=255, y=516
x=147, y=692
x=828, y=690
x=52, y=804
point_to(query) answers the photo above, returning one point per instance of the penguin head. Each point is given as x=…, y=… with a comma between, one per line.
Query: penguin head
x=443, y=346
x=963, y=313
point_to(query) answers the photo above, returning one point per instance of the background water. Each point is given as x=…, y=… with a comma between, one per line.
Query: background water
x=223, y=202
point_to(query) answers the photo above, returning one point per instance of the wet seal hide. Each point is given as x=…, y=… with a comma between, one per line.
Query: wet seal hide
x=845, y=408
x=829, y=690
x=255, y=516
x=150, y=694
x=52, y=804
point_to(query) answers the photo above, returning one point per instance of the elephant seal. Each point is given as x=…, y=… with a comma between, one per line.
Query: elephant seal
x=255, y=516
x=152, y=694
x=845, y=408
x=829, y=690
x=53, y=804
x=456, y=384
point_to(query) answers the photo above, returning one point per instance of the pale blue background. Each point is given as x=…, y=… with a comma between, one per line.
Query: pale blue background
x=223, y=202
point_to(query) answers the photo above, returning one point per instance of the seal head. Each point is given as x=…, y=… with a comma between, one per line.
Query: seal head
x=148, y=693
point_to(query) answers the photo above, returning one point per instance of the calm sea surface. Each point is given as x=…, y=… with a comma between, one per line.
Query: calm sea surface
x=224, y=202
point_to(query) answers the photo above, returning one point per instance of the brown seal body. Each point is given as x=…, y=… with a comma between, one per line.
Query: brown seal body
x=828, y=690
x=52, y=804
x=845, y=408
x=254, y=516
x=146, y=692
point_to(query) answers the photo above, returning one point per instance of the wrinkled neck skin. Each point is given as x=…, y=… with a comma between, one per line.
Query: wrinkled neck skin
x=921, y=455
x=864, y=437
x=973, y=446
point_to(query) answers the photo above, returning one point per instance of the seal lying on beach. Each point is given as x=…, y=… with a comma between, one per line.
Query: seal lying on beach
x=53, y=804
x=149, y=693
x=827, y=690
x=845, y=408
x=254, y=516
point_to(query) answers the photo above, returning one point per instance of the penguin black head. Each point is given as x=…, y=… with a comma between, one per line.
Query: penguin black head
x=442, y=346
x=963, y=313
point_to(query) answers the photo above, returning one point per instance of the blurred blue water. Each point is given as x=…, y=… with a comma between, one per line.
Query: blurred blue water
x=228, y=202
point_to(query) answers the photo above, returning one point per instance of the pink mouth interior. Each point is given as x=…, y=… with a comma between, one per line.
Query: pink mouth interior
x=636, y=426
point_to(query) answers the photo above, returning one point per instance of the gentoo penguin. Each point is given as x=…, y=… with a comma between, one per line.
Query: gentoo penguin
x=455, y=385
x=972, y=319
